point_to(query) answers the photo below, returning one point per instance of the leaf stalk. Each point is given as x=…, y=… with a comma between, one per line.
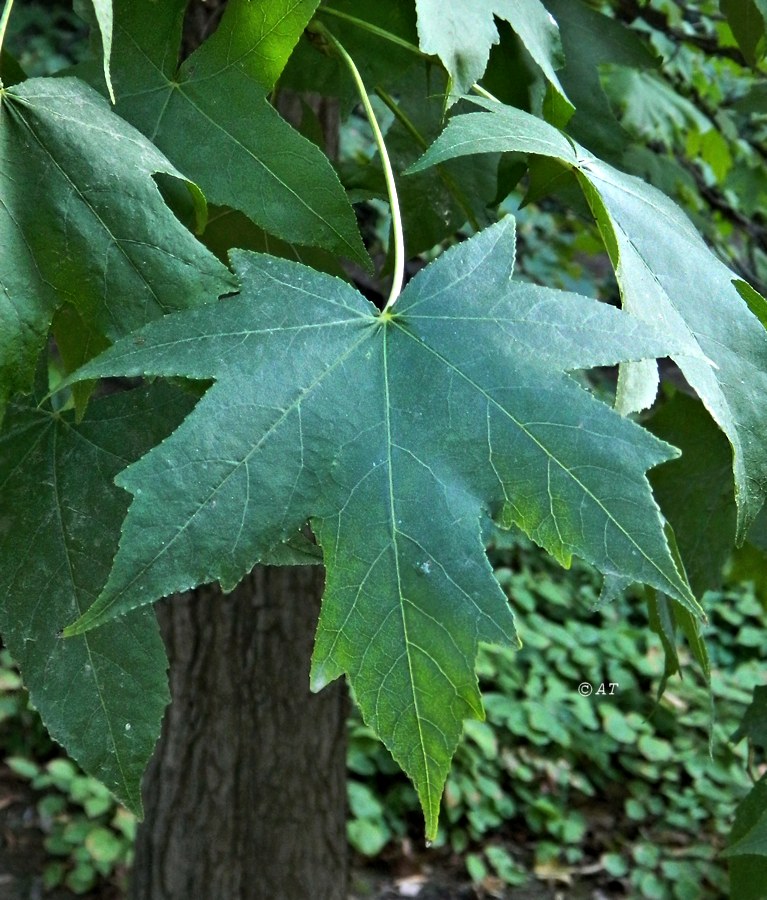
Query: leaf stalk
x=391, y=187
x=4, y=24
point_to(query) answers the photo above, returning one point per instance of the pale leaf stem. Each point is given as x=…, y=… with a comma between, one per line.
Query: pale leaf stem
x=4, y=24
x=396, y=216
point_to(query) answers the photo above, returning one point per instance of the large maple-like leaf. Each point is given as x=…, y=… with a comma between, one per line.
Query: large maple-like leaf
x=667, y=277
x=210, y=115
x=395, y=435
x=82, y=221
x=462, y=32
x=102, y=695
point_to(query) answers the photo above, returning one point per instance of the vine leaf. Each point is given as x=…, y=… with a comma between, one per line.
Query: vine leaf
x=210, y=116
x=82, y=222
x=395, y=435
x=462, y=32
x=667, y=277
x=102, y=695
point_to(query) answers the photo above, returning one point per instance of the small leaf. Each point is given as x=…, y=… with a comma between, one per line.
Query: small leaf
x=455, y=405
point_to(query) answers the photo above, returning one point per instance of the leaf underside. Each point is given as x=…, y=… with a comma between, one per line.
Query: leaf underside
x=395, y=436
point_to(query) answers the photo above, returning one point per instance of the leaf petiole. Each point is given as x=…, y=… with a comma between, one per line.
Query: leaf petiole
x=396, y=216
x=4, y=24
x=376, y=30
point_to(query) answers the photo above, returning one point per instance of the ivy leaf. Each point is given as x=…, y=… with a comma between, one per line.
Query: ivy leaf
x=667, y=277
x=210, y=116
x=462, y=32
x=101, y=695
x=82, y=222
x=395, y=435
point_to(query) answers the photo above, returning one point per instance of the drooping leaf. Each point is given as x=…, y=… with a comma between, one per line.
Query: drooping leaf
x=591, y=40
x=748, y=21
x=102, y=695
x=667, y=276
x=462, y=32
x=748, y=845
x=211, y=117
x=395, y=435
x=695, y=491
x=754, y=723
x=82, y=222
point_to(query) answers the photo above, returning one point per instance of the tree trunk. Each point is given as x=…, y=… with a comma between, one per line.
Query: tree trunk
x=245, y=796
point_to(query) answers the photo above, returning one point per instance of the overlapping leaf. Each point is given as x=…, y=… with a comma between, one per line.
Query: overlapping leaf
x=210, y=115
x=667, y=276
x=462, y=32
x=102, y=695
x=395, y=435
x=82, y=221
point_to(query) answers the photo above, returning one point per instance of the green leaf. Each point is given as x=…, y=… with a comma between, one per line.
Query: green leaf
x=667, y=277
x=395, y=434
x=749, y=833
x=101, y=695
x=754, y=723
x=210, y=116
x=81, y=221
x=462, y=32
x=590, y=40
x=748, y=21
x=695, y=491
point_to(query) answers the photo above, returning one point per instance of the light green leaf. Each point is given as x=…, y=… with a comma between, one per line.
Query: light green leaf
x=102, y=10
x=210, y=116
x=394, y=435
x=82, y=222
x=462, y=32
x=101, y=695
x=667, y=277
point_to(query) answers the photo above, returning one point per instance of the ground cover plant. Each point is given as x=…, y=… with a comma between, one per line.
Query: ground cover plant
x=162, y=220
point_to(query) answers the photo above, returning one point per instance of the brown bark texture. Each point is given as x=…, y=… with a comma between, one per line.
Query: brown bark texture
x=245, y=796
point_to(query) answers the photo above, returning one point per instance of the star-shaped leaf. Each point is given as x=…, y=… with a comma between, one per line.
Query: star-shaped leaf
x=103, y=694
x=82, y=222
x=667, y=277
x=211, y=117
x=395, y=435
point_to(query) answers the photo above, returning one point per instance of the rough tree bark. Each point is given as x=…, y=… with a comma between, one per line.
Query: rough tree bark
x=245, y=796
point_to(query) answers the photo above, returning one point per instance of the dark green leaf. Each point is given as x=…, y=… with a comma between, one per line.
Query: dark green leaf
x=748, y=20
x=211, y=117
x=101, y=695
x=695, y=491
x=394, y=434
x=81, y=221
x=754, y=724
